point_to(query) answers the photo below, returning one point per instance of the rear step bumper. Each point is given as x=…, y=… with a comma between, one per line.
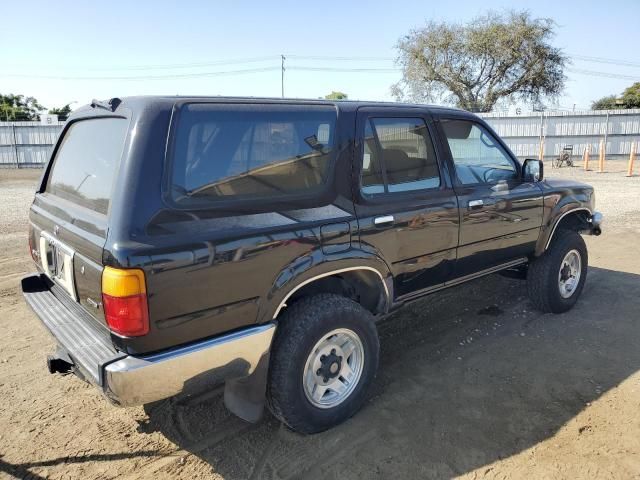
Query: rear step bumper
x=127, y=380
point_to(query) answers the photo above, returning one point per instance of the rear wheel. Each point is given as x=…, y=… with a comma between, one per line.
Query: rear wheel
x=555, y=280
x=324, y=356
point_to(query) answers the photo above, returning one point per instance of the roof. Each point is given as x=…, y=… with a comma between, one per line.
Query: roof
x=340, y=104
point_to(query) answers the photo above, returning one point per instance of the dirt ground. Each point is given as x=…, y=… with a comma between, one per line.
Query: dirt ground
x=472, y=383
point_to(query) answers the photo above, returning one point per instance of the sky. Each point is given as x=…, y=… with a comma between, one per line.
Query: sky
x=73, y=51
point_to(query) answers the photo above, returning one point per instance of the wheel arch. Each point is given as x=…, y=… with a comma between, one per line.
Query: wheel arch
x=366, y=280
x=574, y=217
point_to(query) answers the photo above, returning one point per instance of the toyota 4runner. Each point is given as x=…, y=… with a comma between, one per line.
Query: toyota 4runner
x=185, y=242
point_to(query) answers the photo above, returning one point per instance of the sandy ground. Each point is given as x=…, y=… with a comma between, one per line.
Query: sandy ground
x=472, y=383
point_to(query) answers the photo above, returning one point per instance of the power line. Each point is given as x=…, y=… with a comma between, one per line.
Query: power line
x=610, y=61
x=171, y=66
x=339, y=59
x=240, y=61
x=244, y=71
x=145, y=77
x=345, y=69
x=190, y=65
x=594, y=73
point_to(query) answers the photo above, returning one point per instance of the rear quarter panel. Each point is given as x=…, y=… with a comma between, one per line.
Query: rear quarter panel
x=210, y=271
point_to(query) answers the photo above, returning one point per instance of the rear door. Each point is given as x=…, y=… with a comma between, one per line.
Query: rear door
x=500, y=215
x=405, y=203
x=68, y=218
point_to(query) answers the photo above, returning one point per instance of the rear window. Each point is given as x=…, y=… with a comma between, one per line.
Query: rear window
x=250, y=151
x=86, y=162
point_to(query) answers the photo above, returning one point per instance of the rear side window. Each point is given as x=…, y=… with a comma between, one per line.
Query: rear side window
x=87, y=161
x=398, y=156
x=250, y=151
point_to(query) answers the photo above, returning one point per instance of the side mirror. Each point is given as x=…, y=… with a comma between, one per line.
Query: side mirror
x=532, y=170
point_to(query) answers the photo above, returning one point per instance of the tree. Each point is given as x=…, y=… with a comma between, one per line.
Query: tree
x=630, y=99
x=631, y=96
x=336, y=96
x=605, y=103
x=495, y=57
x=62, y=113
x=18, y=107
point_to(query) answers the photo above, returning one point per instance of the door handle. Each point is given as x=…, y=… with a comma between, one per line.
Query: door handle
x=383, y=220
x=475, y=203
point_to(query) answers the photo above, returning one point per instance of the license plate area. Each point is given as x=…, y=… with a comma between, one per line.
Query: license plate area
x=57, y=262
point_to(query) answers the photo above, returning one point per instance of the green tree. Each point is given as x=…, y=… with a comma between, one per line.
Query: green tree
x=336, y=96
x=631, y=96
x=630, y=99
x=605, y=103
x=62, y=113
x=18, y=107
x=495, y=57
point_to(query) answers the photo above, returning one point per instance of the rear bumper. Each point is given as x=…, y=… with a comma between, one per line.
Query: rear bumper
x=127, y=380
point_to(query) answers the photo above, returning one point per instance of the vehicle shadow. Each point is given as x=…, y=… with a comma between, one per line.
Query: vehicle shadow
x=23, y=470
x=467, y=377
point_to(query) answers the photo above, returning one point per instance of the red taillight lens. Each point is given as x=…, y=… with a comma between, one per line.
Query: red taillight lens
x=127, y=316
x=124, y=299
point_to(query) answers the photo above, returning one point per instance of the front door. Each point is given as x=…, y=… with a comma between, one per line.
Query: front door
x=500, y=215
x=407, y=209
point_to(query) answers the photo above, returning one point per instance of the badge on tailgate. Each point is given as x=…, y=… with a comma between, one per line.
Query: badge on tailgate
x=57, y=262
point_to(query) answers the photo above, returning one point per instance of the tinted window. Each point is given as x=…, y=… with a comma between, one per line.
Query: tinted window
x=245, y=151
x=86, y=162
x=398, y=156
x=477, y=155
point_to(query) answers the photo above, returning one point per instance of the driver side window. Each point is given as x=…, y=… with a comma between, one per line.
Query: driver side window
x=477, y=156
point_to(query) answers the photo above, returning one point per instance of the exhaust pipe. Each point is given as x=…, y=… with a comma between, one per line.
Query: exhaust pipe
x=58, y=365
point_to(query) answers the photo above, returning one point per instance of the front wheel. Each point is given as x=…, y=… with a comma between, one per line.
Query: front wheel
x=556, y=279
x=324, y=356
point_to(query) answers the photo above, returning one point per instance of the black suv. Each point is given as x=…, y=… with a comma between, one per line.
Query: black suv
x=183, y=242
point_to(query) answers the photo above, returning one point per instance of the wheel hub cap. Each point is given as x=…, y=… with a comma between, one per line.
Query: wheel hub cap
x=569, y=274
x=333, y=368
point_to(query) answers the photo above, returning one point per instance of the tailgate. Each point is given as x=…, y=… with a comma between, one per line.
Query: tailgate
x=69, y=215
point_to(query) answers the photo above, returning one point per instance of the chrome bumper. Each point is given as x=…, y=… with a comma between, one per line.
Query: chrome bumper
x=128, y=380
x=139, y=380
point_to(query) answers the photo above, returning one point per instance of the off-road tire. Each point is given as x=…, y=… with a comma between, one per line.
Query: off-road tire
x=542, y=277
x=300, y=327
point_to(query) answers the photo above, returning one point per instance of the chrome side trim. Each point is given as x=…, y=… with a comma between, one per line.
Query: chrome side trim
x=283, y=303
x=486, y=271
x=459, y=280
x=573, y=210
x=139, y=380
x=383, y=220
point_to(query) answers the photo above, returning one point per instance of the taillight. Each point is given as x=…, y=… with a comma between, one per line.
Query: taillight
x=124, y=299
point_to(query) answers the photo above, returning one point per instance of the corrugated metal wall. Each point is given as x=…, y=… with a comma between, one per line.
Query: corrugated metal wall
x=27, y=144
x=580, y=129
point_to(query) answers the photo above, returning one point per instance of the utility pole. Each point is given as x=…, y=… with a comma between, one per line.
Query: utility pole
x=282, y=75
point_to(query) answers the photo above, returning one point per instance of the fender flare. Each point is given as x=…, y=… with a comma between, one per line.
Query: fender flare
x=309, y=269
x=545, y=240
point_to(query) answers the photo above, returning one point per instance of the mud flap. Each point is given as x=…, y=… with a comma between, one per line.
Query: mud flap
x=245, y=396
